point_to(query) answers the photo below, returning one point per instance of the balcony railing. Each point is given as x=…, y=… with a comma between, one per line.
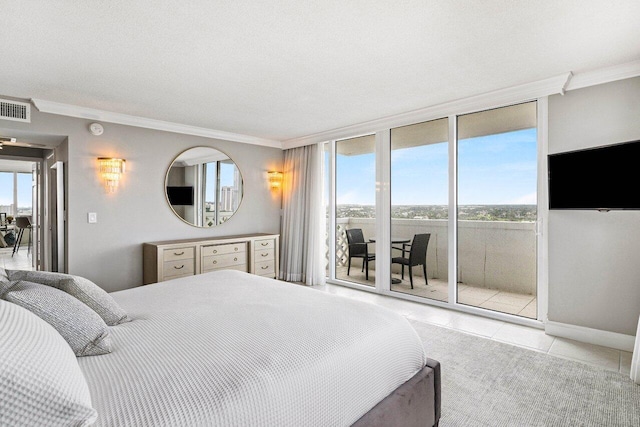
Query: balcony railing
x=491, y=254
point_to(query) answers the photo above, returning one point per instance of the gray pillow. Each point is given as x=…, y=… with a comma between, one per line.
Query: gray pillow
x=83, y=289
x=81, y=327
x=4, y=281
x=40, y=380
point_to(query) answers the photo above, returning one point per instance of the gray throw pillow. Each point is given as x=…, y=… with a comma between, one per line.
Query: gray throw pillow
x=41, y=383
x=4, y=281
x=81, y=327
x=83, y=289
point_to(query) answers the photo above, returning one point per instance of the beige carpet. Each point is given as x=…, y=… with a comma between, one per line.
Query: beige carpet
x=488, y=383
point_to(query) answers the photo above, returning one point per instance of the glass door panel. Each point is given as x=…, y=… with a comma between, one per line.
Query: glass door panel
x=497, y=209
x=355, y=210
x=419, y=209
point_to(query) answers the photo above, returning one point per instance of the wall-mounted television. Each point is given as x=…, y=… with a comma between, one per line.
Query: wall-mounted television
x=180, y=195
x=603, y=178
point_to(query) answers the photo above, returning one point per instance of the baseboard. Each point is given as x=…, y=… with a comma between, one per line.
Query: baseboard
x=590, y=336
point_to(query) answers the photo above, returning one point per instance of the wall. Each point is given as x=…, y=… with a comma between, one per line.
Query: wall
x=110, y=252
x=594, y=257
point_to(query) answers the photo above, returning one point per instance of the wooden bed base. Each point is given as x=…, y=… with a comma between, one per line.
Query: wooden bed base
x=415, y=403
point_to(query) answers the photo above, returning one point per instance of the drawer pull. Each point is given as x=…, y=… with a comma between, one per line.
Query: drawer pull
x=215, y=251
x=235, y=259
x=179, y=253
x=265, y=243
x=235, y=248
x=178, y=268
x=215, y=262
x=264, y=267
x=263, y=255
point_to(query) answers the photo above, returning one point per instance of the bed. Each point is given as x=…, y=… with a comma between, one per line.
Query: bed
x=231, y=348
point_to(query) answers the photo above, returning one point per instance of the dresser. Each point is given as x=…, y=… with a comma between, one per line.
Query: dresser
x=252, y=253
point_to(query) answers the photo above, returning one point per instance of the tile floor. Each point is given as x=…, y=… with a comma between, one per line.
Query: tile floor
x=492, y=299
x=522, y=336
x=19, y=261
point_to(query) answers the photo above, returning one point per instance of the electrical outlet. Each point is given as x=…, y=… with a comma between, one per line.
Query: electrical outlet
x=92, y=217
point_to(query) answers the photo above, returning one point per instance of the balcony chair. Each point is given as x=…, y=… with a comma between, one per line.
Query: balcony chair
x=417, y=251
x=358, y=249
x=22, y=223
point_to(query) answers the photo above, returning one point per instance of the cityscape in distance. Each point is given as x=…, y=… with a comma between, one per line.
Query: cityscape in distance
x=519, y=213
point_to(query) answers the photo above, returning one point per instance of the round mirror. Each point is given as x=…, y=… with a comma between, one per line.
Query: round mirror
x=203, y=186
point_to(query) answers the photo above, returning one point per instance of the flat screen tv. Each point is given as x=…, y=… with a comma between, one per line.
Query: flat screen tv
x=602, y=178
x=180, y=195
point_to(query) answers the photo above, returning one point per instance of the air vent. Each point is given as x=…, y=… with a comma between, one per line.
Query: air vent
x=14, y=110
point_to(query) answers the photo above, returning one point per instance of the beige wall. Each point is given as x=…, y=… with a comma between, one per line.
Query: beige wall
x=110, y=252
x=594, y=257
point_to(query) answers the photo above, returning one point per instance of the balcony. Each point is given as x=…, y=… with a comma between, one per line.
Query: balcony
x=496, y=262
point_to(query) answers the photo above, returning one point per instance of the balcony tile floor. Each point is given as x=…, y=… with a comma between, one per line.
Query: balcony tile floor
x=521, y=336
x=492, y=299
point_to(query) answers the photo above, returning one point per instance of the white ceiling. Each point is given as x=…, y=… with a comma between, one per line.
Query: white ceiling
x=285, y=69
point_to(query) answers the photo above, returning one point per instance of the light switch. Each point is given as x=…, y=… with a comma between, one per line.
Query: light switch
x=92, y=217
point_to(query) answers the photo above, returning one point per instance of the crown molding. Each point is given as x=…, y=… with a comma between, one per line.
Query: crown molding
x=52, y=107
x=604, y=75
x=494, y=99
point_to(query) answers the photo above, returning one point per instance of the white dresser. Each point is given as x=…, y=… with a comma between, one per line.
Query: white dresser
x=252, y=253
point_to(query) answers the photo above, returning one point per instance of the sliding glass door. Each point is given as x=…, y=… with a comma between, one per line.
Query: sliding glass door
x=497, y=209
x=420, y=209
x=355, y=213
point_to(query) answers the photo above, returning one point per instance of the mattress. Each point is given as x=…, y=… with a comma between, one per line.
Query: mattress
x=231, y=348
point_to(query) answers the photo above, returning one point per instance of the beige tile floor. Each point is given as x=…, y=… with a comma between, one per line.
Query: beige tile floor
x=522, y=336
x=19, y=261
x=492, y=299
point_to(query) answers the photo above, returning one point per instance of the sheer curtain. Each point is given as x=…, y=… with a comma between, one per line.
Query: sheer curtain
x=303, y=221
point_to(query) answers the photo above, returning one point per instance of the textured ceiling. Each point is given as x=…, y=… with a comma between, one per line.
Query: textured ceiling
x=283, y=69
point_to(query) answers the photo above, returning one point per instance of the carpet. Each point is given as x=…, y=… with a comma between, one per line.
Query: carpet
x=488, y=383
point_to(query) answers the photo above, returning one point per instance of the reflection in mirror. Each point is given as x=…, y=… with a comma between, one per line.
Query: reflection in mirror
x=203, y=186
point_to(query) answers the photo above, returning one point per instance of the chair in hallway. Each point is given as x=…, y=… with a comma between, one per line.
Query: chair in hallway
x=417, y=251
x=358, y=248
x=22, y=223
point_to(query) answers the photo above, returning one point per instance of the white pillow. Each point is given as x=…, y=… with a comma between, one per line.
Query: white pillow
x=81, y=327
x=81, y=288
x=40, y=380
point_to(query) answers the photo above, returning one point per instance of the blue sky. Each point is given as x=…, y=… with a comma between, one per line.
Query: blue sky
x=24, y=189
x=494, y=169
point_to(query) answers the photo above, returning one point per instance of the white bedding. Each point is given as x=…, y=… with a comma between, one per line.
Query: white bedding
x=230, y=348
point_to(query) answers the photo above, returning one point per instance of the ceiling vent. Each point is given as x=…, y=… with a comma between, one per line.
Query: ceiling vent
x=14, y=110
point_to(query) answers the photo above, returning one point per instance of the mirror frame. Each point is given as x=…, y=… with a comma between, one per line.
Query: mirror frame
x=166, y=179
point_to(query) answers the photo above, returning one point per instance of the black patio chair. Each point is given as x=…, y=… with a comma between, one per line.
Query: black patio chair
x=358, y=248
x=417, y=251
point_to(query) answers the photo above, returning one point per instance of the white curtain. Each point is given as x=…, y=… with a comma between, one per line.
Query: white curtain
x=303, y=220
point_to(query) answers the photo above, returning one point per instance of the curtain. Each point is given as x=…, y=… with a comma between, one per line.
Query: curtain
x=302, y=254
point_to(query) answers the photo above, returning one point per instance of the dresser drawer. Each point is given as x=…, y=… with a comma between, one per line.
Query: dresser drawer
x=187, y=252
x=265, y=255
x=178, y=268
x=229, y=248
x=224, y=261
x=265, y=244
x=266, y=268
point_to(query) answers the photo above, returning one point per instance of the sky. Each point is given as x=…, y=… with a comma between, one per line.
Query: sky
x=24, y=189
x=492, y=170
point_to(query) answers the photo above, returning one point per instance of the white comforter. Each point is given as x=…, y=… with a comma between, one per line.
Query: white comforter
x=230, y=348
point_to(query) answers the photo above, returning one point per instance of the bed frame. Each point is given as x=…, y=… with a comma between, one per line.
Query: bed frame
x=415, y=403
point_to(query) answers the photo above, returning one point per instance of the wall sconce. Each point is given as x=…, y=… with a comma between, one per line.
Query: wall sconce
x=110, y=171
x=275, y=179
